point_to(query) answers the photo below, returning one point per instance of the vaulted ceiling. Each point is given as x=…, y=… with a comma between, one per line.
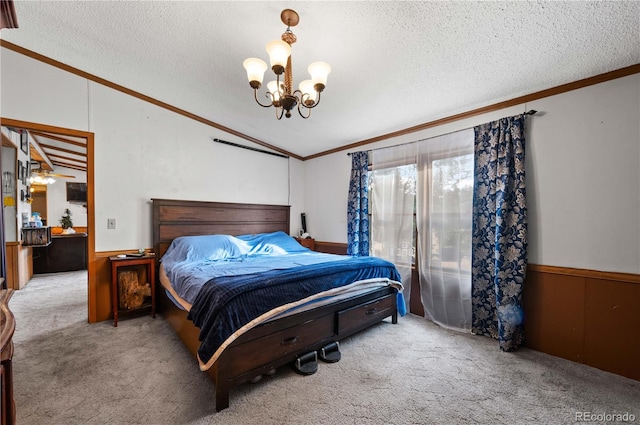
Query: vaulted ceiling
x=53, y=150
x=394, y=64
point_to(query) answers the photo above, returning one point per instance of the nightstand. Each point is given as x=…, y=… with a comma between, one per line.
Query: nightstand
x=307, y=243
x=133, y=287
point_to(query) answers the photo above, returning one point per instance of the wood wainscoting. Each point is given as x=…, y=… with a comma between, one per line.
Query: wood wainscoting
x=586, y=316
x=19, y=265
x=103, y=306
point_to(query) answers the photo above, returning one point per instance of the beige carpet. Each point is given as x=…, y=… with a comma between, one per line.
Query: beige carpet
x=69, y=372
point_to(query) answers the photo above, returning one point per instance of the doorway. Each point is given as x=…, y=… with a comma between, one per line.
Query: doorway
x=39, y=201
x=50, y=138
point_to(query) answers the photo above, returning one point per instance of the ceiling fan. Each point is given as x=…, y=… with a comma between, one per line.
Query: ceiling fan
x=41, y=176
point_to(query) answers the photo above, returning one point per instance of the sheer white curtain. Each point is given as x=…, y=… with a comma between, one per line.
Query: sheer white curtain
x=444, y=212
x=392, y=188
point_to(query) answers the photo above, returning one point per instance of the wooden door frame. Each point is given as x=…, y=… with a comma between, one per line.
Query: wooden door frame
x=91, y=237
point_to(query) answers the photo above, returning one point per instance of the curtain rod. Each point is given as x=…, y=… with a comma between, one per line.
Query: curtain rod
x=529, y=112
x=224, y=142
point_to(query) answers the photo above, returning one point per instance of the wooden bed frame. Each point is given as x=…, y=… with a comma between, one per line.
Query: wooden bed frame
x=272, y=344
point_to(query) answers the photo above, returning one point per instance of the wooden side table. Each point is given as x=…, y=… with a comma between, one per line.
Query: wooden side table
x=307, y=243
x=144, y=266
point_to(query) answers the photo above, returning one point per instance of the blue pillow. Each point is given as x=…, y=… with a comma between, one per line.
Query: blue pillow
x=275, y=243
x=205, y=248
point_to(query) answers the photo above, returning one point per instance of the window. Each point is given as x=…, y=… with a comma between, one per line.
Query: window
x=450, y=209
x=398, y=220
x=450, y=206
x=421, y=205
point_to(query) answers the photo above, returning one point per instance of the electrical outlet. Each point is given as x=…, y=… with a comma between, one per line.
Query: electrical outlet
x=111, y=223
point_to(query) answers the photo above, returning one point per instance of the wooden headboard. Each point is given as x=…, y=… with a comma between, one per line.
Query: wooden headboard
x=173, y=218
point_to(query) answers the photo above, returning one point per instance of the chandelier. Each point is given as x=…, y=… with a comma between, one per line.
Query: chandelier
x=280, y=92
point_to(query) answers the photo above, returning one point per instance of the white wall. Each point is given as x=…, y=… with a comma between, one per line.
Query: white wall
x=142, y=151
x=57, y=198
x=10, y=204
x=17, y=204
x=583, y=178
x=583, y=165
x=36, y=92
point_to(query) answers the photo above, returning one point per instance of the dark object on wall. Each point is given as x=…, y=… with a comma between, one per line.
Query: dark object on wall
x=77, y=193
x=24, y=141
x=224, y=142
x=303, y=218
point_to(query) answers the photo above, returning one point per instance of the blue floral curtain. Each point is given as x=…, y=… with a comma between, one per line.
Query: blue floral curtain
x=499, y=252
x=358, y=206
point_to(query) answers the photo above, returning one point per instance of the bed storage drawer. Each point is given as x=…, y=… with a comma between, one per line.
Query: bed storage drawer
x=288, y=342
x=359, y=317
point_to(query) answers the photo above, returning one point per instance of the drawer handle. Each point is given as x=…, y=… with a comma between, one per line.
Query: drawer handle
x=290, y=341
x=371, y=311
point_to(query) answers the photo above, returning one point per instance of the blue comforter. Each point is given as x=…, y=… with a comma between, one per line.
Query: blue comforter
x=227, y=303
x=235, y=282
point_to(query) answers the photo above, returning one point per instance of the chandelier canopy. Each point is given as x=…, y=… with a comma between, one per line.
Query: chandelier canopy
x=280, y=92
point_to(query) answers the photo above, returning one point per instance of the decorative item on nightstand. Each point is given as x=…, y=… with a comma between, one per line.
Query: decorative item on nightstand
x=66, y=223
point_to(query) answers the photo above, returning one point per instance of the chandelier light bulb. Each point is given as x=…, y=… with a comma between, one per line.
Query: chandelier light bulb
x=319, y=72
x=279, y=52
x=308, y=91
x=255, y=69
x=272, y=86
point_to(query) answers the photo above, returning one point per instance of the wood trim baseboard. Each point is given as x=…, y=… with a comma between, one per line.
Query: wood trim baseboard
x=331, y=247
x=341, y=248
x=586, y=273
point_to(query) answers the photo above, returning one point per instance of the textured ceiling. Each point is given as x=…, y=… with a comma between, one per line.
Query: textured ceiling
x=394, y=64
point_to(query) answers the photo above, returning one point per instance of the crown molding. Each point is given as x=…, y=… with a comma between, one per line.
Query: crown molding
x=597, y=79
x=601, y=78
x=122, y=89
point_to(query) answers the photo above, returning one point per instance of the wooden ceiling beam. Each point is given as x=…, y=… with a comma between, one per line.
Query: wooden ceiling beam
x=58, y=138
x=73, y=167
x=37, y=153
x=62, y=156
x=56, y=148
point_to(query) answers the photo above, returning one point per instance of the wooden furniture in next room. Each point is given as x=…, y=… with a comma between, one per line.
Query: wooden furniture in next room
x=7, y=327
x=65, y=253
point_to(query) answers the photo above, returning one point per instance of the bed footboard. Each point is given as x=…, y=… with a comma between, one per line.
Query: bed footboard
x=273, y=344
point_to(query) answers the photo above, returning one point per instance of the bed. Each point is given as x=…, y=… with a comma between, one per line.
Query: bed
x=276, y=336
